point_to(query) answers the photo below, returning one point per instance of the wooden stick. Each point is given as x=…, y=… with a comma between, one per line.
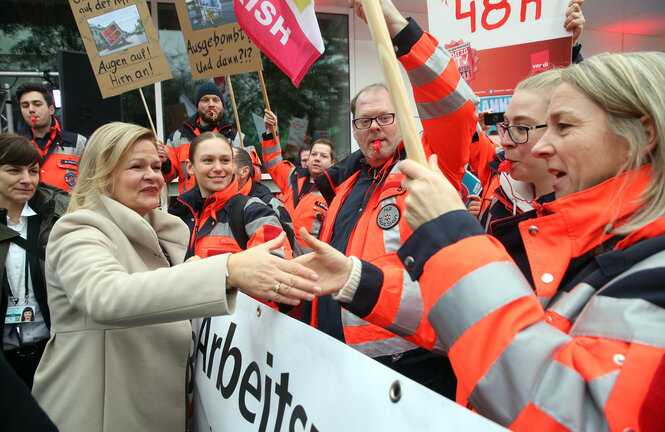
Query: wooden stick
x=235, y=110
x=388, y=59
x=266, y=101
x=152, y=125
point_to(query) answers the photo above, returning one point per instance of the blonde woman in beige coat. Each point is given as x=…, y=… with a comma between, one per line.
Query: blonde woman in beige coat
x=121, y=298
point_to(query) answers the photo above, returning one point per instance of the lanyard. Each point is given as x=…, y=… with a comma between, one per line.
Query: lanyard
x=8, y=288
x=32, y=257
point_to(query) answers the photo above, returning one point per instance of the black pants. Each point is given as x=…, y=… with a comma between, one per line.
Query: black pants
x=25, y=367
x=424, y=367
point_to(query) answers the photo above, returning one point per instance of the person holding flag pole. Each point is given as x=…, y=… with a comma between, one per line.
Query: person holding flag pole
x=366, y=200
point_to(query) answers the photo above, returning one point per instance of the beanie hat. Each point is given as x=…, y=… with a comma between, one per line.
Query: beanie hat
x=207, y=88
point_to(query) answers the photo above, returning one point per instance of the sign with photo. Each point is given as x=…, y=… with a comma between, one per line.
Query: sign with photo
x=497, y=44
x=215, y=43
x=122, y=44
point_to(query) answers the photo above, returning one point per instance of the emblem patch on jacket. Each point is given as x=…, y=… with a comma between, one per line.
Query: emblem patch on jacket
x=70, y=179
x=388, y=216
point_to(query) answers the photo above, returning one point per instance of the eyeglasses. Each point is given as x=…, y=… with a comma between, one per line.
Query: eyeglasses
x=366, y=122
x=519, y=134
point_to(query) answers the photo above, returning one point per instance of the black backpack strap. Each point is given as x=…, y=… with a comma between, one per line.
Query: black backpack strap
x=290, y=234
x=31, y=245
x=237, y=220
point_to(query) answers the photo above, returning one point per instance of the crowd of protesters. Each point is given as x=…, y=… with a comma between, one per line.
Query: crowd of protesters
x=541, y=308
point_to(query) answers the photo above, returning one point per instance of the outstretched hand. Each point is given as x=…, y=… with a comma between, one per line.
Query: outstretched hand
x=332, y=266
x=257, y=272
x=430, y=193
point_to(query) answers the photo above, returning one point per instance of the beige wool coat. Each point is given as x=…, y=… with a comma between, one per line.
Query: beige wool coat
x=120, y=333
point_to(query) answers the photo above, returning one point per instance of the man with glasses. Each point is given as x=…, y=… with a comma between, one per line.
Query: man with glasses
x=367, y=202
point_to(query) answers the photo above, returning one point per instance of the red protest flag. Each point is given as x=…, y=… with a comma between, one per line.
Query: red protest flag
x=284, y=30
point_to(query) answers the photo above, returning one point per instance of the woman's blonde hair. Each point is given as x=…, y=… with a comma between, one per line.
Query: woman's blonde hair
x=629, y=87
x=106, y=149
x=545, y=82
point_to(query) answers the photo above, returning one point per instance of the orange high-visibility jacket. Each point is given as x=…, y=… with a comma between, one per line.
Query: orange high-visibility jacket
x=446, y=107
x=209, y=226
x=584, y=361
x=306, y=209
x=60, y=156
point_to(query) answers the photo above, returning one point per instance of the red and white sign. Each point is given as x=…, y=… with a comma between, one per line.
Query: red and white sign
x=284, y=30
x=498, y=43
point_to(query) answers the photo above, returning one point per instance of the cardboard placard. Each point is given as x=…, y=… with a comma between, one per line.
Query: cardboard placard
x=215, y=43
x=122, y=44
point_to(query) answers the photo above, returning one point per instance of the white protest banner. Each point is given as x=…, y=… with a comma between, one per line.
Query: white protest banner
x=122, y=44
x=259, y=370
x=497, y=44
x=297, y=132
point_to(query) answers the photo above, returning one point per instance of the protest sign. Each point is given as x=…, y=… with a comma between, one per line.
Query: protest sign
x=122, y=44
x=216, y=45
x=297, y=132
x=261, y=370
x=497, y=44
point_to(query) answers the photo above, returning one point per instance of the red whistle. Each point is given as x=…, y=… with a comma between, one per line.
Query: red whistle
x=505, y=166
x=33, y=119
x=376, y=145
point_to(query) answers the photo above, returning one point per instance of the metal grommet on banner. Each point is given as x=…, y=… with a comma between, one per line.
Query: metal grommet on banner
x=258, y=311
x=396, y=391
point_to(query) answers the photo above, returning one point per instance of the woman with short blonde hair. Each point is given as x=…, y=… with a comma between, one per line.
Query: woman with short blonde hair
x=121, y=296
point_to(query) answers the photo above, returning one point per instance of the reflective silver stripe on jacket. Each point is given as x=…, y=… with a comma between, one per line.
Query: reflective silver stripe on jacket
x=480, y=292
x=269, y=151
x=376, y=348
x=431, y=69
x=392, y=239
x=628, y=320
x=411, y=309
x=578, y=405
x=570, y=304
x=447, y=104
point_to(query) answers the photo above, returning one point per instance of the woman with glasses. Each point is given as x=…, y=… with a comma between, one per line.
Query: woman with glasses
x=521, y=184
x=28, y=210
x=513, y=180
x=592, y=358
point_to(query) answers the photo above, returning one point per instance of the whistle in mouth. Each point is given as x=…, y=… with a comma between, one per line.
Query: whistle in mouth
x=505, y=166
x=376, y=145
